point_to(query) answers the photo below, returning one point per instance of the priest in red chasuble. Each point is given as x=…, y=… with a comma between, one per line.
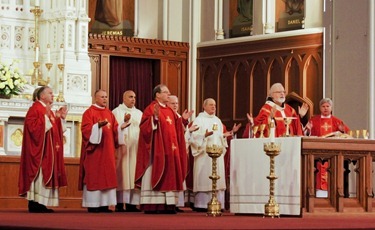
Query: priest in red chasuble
x=276, y=109
x=100, y=138
x=162, y=160
x=42, y=170
x=324, y=125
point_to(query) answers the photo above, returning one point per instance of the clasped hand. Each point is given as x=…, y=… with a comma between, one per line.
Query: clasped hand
x=102, y=123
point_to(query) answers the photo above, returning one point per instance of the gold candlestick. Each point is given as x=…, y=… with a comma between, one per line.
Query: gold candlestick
x=48, y=66
x=60, y=97
x=271, y=209
x=35, y=77
x=214, y=206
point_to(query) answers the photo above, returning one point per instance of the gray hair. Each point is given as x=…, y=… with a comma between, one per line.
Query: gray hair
x=326, y=100
x=205, y=102
x=274, y=87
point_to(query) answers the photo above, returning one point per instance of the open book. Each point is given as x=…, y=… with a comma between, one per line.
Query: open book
x=337, y=134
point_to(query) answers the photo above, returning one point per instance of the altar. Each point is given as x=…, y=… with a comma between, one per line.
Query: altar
x=249, y=168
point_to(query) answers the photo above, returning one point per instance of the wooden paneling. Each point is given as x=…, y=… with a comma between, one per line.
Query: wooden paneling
x=238, y=75
x=70, y=197
x=172, y=56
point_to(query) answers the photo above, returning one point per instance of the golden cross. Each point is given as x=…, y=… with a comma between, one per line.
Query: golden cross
x=173, y=147
x=169, y=120
x=326, y=126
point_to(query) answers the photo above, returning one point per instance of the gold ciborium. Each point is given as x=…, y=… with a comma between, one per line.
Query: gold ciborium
x=214, y=206
x=287, y=121
x=271, y=209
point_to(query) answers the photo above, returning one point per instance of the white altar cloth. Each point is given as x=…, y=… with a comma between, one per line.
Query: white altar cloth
x=249, y=168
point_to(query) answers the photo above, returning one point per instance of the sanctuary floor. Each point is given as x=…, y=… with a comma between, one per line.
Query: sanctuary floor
x=81, y=219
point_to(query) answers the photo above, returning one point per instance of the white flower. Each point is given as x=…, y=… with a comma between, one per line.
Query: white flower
x=11, y=80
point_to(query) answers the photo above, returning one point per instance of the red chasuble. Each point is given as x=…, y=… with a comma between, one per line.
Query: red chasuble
x=295, y=128
x=41, y=149
x=164, y=148
x=320, y=127
x=97, y=163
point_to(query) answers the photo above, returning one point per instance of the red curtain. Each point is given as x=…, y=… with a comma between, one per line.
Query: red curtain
x=131, y=74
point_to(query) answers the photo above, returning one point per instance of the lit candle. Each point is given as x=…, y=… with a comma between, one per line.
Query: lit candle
x=48, y=54
x=61, y=54
x=37, y=53
x=37, y=3
x=272, y=131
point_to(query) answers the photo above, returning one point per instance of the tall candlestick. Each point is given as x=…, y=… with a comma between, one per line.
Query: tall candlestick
x=37, y=53
x=48, y=54
x=61, y=54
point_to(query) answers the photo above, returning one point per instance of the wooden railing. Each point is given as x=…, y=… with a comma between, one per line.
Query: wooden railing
x=336, y=152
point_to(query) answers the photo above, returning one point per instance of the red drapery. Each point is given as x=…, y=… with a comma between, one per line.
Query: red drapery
x=131, y=74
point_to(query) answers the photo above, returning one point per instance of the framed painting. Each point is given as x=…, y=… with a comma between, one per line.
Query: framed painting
x=111, y=17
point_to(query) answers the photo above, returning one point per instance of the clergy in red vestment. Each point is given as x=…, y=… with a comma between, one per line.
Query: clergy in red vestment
x=174, y=105
x=100, y=138
x=42, y=170
x=323, y=125
x=276, y=109
x=162, y=160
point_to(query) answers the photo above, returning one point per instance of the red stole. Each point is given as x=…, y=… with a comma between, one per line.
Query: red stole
x=41, y=149
x=164, y=148
x=97, y=163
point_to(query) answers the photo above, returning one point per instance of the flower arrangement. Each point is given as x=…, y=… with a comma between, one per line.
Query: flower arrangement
x=11, y=80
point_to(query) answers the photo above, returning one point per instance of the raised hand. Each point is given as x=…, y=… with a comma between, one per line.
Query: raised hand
x=127, y=117
x=250, y=118
x=302, y=110
x=236, y=128
x=62, y=112
x=193, y=128
x=187, y=114
x=208, y=133
x=309, y=125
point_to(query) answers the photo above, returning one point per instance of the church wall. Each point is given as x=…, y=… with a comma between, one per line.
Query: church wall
x=150, y=19
x=350, y=63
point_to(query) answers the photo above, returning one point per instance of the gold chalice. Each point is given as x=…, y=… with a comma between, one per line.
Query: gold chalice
x=287, y=121
x=365, y=134
x=255, y=130
x=262, y=127
x=357, y=133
